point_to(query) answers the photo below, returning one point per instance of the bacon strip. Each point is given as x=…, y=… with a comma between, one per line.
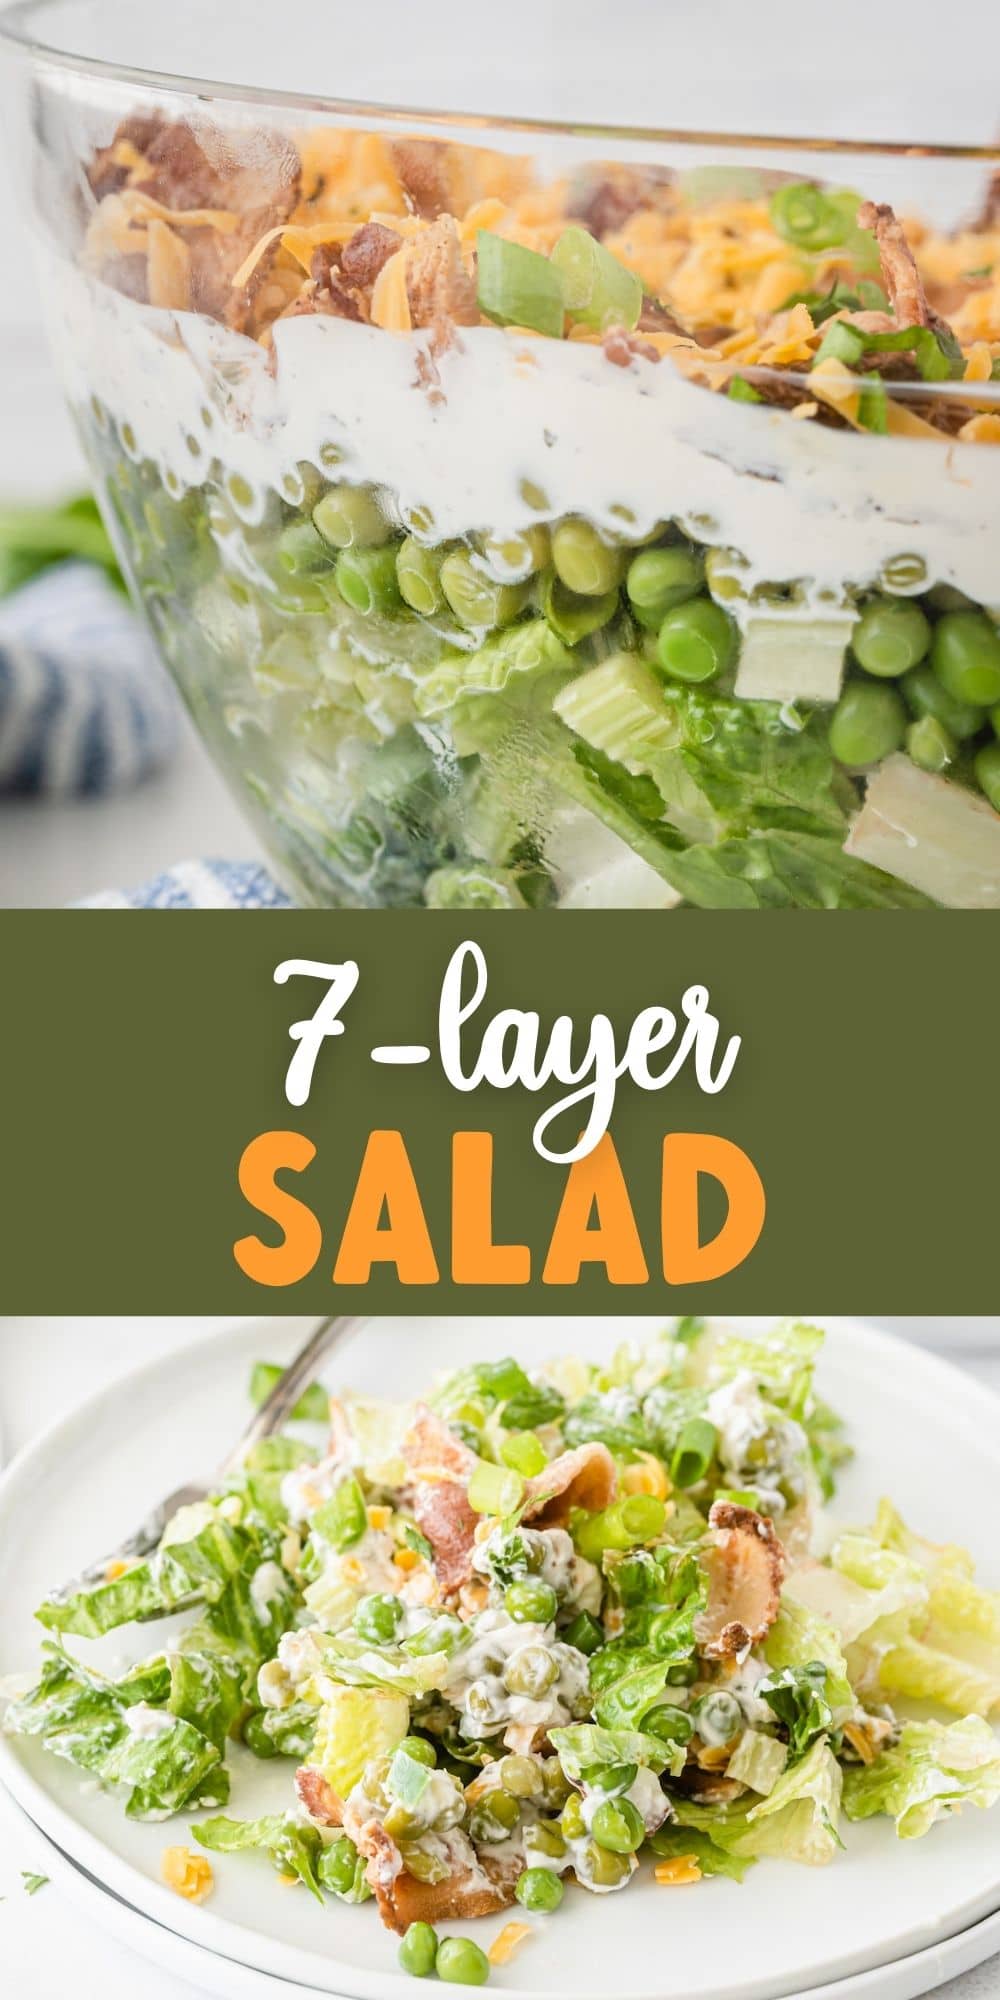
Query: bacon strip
x=584, y=1477
x=442, y=1467
x=899, y=266
x=479, y=1886
x=745, y=1567
x=318, y=1797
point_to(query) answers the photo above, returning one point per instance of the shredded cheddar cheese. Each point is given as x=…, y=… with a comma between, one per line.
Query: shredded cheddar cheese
x=390, y=306
x=677, y=1873
x=506, y=1943
x=646, y=1476
x=189, y=1875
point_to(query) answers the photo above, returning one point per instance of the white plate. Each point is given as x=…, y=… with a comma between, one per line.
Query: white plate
x=904, y=1979
x=923, y=1433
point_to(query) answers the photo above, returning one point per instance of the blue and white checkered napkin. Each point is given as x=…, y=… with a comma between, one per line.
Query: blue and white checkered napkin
x=85, y=705
x=199, y=885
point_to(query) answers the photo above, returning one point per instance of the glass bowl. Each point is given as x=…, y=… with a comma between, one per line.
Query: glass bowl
x=538, y=509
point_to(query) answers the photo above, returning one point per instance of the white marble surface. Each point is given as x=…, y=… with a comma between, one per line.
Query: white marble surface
x=47, y=1366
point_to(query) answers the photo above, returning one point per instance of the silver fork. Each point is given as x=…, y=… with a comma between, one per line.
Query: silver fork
x=267, y=1419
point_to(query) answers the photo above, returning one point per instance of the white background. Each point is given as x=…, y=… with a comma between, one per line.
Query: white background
x=48, y=1951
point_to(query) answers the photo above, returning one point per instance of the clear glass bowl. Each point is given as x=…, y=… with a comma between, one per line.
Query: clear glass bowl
x=510, y=539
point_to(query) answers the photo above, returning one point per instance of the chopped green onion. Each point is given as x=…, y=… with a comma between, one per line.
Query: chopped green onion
x=937, y=355
x=841, y=342
x=524, y=1453
x=495, y=1489
x=742, y=391
x=598, y=291
x=693, y=1452
x=873, y=405
x=805, y=216
x=313, y=1406
x=517, y=286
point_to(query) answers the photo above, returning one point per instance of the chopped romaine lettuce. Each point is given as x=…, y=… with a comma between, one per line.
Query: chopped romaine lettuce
x=292, y=1847
x=584, y=1749
x=353, y=1725
x=933, y=1769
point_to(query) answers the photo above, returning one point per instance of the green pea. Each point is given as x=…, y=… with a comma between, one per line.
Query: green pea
x=583, y=562
x=986, y=766
x=555, y=1784
x=669, y=1724
x=539, y=1889
x=338, y=1865
x=419, y=1749
x=926, y=696
x=613, y=1778
x=478, y=602
x=544, y=1837
x=418, y=1950
x=302, y=549
x=531, y=1672
x=929, y=745
x=525, y=1452
x=418, y=574
x=531, y=1603
x=573, y=1824
x=521, y=1777
x=718, y=1716
x=618, y=1826
x=890, y=637
x=603, y=1866
x=513, y=557
x=696, y=641
x=462, y=1962
x=584, y=1632
x=868, y=723
x=658, y=579
x=367, y=581
x=494, y=1816
x=965, y=655
x=946, y=597
x=350, y=517
x=378, y=1618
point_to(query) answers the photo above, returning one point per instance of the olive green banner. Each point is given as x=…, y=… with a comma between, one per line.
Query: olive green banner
x=767, y=1109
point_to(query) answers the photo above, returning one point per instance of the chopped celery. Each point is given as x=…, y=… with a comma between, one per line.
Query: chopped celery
x=619, y=707
x=517, y=286
x=354, y=1725
x=798, y=656
x=932, y=833
x=598, y=290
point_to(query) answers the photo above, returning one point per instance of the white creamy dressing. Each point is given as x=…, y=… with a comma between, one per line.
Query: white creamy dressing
x=267, y=1588
x=145, y=1722
x=575, y=1581
x=497, y=1639
x=305, y=1487
x=645, y=1793
x=798, y=500
x=737, y=1411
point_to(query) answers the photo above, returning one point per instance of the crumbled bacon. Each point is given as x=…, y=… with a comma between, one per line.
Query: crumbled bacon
x=606, y=195
x=900, y=275
x=422, y=166
x=480, y=1885
x=440, y=291
x=369, y=248
x=318, y=1797
x=441, y=1467
x=622, y=347
x=584, y=1477
x=107, y=171
x=745, y=1567
x=330, y=294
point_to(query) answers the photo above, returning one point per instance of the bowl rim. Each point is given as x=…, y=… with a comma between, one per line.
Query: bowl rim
x=20, y=30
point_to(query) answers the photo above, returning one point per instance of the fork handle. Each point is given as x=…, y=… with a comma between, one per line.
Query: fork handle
x=285, y=1394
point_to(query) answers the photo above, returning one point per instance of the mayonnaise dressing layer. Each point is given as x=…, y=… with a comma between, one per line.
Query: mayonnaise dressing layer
x=517, y=428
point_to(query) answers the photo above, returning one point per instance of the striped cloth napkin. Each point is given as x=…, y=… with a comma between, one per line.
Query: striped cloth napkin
x=199, y=885
x=85, y=705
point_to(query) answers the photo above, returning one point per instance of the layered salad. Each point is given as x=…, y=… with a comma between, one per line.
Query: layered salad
x=616, y=539
x=543, y=1635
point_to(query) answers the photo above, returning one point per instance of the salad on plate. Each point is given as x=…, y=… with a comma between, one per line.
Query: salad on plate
x=548, y=1628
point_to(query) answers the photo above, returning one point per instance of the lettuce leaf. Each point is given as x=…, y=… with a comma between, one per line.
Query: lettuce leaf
x=799, y=1698
x=926, y=1671
x=583, y=1748
x=99, y=1725
x=292, y=1847
x=781, y=1360
x=932, y=1770
x=796, y=1822
x=670, y=1842
x=199, y=1553
x=799, y=1636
